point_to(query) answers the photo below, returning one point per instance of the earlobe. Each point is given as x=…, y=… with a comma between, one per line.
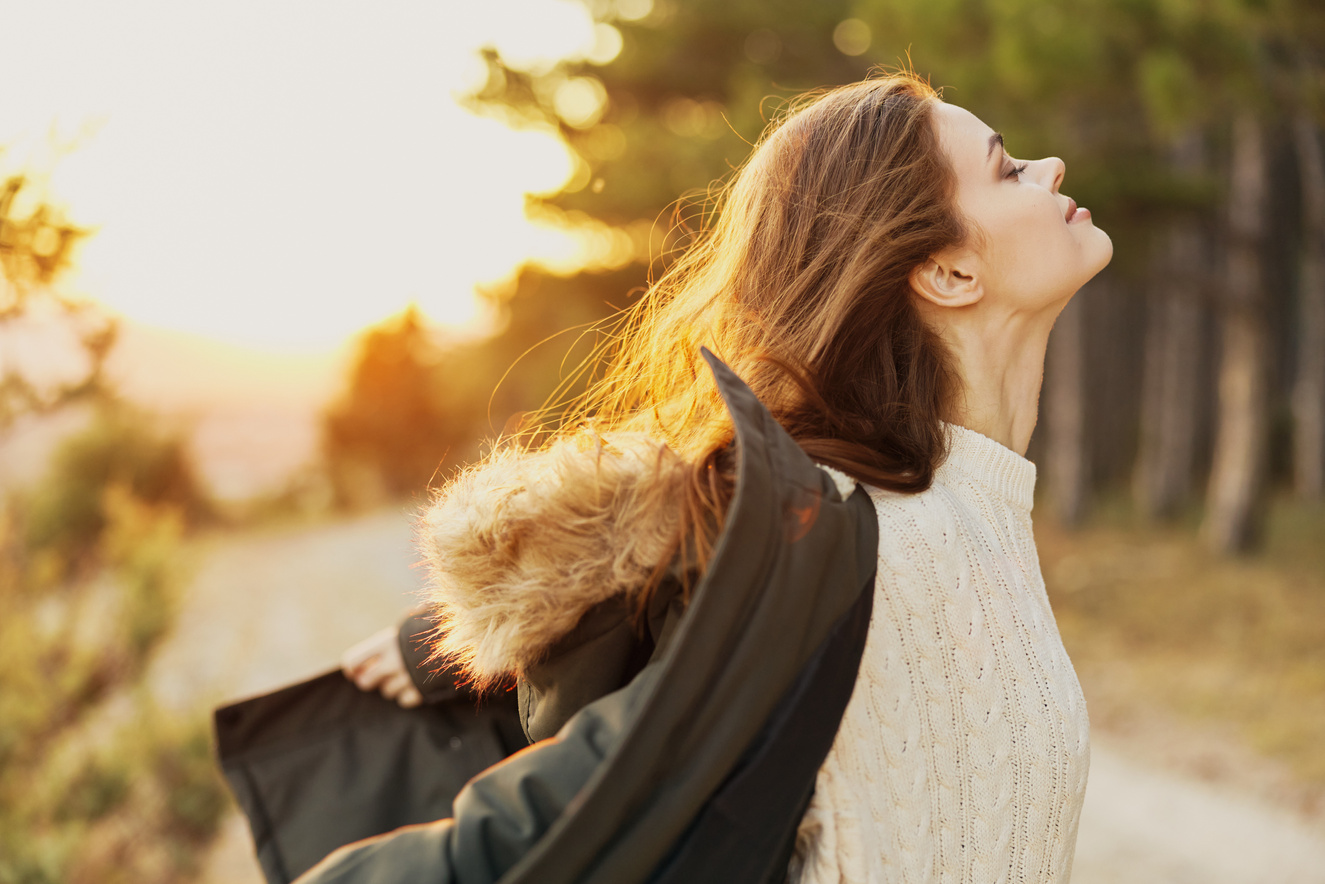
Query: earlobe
x=945, y=284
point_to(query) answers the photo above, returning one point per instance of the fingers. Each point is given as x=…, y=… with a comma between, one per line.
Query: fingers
x=376, y=663
x=360, y=656
x=410, y=697
x=394, y=684
x=399, y=686
x=373, y=673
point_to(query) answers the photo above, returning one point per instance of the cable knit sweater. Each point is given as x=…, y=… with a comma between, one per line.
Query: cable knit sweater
x=962, y=756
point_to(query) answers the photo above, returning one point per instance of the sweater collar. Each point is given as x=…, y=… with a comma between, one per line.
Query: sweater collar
x=1000, y=470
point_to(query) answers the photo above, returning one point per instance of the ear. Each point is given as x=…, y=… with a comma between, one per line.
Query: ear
x=948, y=280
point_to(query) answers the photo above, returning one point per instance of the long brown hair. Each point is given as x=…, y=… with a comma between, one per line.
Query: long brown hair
x=800, y=282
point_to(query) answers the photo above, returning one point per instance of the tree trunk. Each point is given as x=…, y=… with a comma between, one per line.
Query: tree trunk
x=1237, y=475
x=1309, y=386
x=1067, y=459
x=1169, y=399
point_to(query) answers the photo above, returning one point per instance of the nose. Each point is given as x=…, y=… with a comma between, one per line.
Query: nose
x=1054, y=170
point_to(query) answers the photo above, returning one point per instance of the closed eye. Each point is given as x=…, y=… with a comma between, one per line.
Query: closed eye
x=1016, y=171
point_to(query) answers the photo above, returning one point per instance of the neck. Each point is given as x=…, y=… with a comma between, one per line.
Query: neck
x=1000, y=358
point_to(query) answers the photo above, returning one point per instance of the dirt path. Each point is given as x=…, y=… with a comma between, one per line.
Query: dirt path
x=269, y=608
x=1142, y=825
x=277, y=606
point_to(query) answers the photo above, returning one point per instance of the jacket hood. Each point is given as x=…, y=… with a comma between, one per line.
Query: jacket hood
x=520, y=547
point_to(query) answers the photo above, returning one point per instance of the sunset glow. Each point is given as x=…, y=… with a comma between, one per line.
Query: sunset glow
x=279, y=175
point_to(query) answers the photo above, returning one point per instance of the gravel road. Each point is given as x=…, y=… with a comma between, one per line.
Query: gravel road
x=271, y=607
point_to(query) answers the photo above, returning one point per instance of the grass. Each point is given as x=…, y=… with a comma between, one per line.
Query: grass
x=130, y=800
x=98, y=786
x=1161, y=629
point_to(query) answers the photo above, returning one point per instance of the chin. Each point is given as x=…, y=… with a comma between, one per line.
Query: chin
x=1108, y=249
x=1105, y=251
x=1097, y=257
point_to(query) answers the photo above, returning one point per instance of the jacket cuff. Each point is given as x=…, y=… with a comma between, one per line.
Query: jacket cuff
x=434, y=680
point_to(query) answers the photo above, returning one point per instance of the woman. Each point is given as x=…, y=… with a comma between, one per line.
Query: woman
x=884, y=276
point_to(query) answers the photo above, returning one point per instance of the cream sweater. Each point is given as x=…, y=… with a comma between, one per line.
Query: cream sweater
x=962, y=755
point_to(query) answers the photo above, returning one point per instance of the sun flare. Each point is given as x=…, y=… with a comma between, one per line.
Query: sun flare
x=281, y=175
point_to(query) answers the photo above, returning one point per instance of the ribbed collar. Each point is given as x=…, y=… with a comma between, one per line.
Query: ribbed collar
x=1000, y=470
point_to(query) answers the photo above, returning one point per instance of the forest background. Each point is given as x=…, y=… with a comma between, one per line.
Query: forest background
x=1182, y=434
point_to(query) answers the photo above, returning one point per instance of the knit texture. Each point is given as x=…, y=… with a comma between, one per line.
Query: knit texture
x=962, y=756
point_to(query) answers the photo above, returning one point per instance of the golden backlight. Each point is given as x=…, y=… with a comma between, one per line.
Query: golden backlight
x=280, y=174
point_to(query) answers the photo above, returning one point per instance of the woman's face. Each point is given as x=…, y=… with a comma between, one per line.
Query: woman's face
x=1037, y=247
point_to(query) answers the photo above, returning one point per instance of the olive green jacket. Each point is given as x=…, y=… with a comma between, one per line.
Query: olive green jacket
x=687, y=753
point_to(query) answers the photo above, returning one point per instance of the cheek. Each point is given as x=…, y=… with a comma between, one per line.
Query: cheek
x=1046, y=237
x=1032, y=251
x=1018, y=251
x=1027, y=246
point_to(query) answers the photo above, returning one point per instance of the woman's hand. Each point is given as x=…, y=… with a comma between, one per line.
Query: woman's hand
x=375, y=663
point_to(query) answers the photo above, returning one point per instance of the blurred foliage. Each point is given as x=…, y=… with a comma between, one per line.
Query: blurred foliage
x=36, y=246
x=1103, y=81
x=65, y=647
x=67, y=516
x=657, y=124
x=415, y=407
x=135, y=802
x=1108, y=83
x=399, y=416
x=95, y=785
x=1119, y=87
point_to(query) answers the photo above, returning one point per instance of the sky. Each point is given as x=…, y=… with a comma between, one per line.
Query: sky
x=279, y=174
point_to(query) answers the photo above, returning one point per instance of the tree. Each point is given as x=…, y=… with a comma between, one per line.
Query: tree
x=35, y=248
x=1067, y=456
x=1309, y=386
x=1237, y=475
x=390, y=431
x=113, y=504
x=690, y=89
x=1138, y=96
x=1175, y=327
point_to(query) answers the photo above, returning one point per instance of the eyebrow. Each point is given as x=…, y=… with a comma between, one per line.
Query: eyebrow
x=995, y=139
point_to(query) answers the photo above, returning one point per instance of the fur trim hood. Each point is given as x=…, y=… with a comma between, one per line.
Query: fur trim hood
x=519, y=548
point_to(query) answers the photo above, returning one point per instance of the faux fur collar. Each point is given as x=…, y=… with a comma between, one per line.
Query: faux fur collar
x=519, y=548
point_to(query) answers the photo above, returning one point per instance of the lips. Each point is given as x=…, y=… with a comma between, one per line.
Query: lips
x=1071, y=209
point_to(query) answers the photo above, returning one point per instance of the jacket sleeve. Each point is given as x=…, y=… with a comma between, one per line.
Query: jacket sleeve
x=433, y=680
x=498, y=816
x=626, y=785
x=602, y=654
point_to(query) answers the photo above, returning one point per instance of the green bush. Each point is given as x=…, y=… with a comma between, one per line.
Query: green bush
x=185, y=766
x=89, y=582
x=399, y=417
x=101, y=785
x=65, y=515
x=135, y=802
